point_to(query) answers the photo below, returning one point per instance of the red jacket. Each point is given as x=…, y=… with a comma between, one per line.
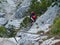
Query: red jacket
x=34, y=17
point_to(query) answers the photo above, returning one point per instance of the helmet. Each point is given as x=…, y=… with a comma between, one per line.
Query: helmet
x=33, y=12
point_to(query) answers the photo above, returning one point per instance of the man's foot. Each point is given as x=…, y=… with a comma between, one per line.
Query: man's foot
x=32, y=23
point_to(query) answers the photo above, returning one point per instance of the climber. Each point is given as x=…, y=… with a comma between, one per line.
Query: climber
x=33, y=16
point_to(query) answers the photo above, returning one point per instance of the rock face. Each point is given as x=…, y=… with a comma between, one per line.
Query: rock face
x=42, y=24
x=9, y=7
x=22, y=9
x=51, y=41
x=2, y=14
x=9, y=41
x=3, y=21
x=45, y=20
x=39, y=1
x=15, y=23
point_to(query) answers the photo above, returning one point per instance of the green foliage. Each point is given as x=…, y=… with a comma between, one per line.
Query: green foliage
x=25, y=22
x=45, y=4
x=57, y=18
x=3, y=31
x=0, y=1
x=55, y=29
x=35, y=7
x=13, y=31
x=32, y=44
x=40, y=32
x=38, y=7
x=8, y=33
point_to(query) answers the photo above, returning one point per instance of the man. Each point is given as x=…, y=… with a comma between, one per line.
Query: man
x=33, y=17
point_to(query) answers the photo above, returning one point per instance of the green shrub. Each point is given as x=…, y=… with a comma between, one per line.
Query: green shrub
x=40, y=32
x=12, y=32
x=26, y=22
x=55, y=29
x=0, y=1
x=38, y=7
x=7, y=33
x=3, y=31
